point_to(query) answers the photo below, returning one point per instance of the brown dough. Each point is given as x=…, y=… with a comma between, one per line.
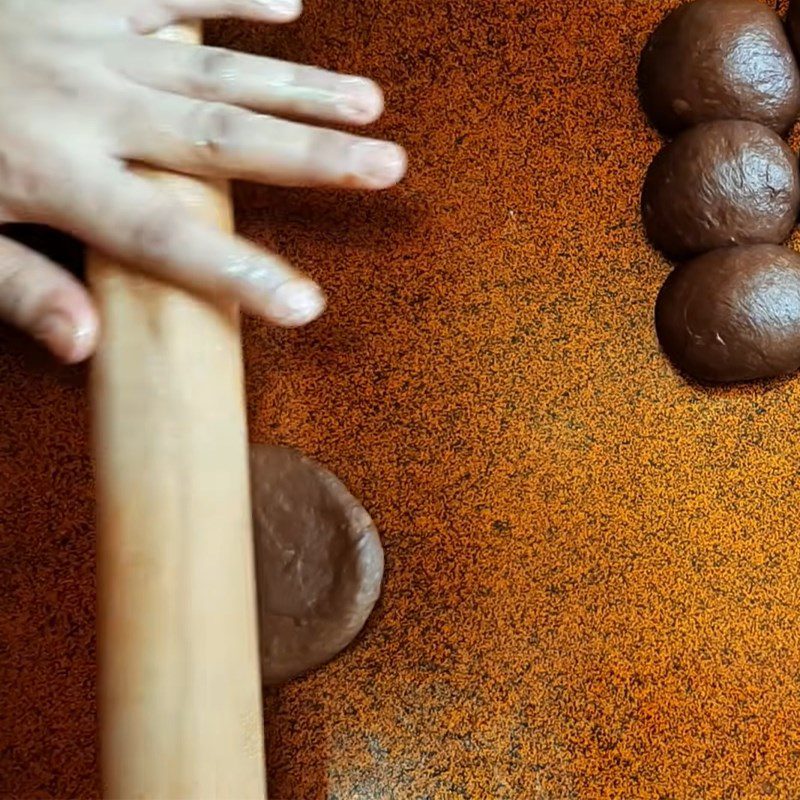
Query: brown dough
x=720, y=184
x=319, y=562
x=720, y=59
x=733, y=314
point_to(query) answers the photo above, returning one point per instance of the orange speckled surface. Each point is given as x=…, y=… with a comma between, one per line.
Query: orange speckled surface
x=592, y=566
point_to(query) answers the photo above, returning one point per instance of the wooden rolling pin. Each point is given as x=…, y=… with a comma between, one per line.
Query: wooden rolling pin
x=179, y=683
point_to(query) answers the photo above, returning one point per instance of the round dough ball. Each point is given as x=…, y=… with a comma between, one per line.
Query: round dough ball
x=319, y=562
x=733, y=314
x=720, y=59
x=720, y=184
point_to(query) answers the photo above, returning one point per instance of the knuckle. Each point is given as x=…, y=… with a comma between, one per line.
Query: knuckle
x=69, y=84
x=326, y=153
x=153, y=235
x=213, y=71
x=213, y=127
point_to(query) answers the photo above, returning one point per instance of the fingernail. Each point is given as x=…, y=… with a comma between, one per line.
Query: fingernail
x=296, y=302
x=286, y=9
x=83, y=342
x=361, y=99
x=59, y=333
x=378, y=164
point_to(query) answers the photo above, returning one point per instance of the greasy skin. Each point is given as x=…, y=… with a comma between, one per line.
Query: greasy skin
x=719, y=59
x=319, y=562
x=720, y=184
x=733, y=314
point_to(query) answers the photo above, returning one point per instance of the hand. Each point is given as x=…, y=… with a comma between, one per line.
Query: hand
x=83, y=91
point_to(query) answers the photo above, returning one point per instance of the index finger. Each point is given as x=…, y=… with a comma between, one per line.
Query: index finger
x=148, y=16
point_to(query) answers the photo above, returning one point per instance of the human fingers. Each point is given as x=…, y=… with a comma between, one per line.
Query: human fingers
x=147, y=16
x=44, y=300
x=222, y=140
x=263, y=84
x=131, y=219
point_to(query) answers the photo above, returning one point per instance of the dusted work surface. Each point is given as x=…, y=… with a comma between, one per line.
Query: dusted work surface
x=592, y=566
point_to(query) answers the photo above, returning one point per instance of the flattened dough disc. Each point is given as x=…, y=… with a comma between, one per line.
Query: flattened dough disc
x=319, y=562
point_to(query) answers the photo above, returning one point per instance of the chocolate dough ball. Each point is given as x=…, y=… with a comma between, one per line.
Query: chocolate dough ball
x=720, y=184
x=319, y=562
x=719, y=59
x=733, y=314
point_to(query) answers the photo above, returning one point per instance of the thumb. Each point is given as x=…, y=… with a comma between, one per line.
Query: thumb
x=47, y=302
